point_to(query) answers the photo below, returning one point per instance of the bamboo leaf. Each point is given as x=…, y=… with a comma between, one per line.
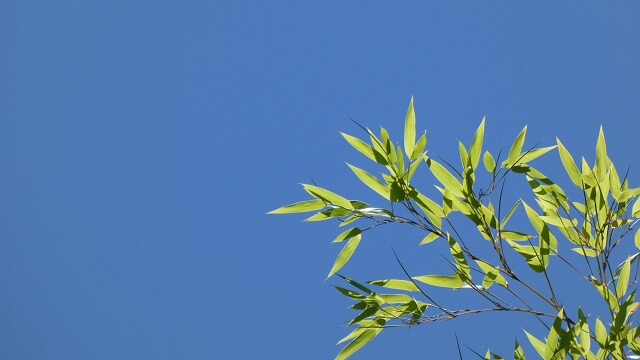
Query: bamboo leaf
x=420, y=145
x=601, y=156
x=476, y=146
x=538, y=345
x=328, y=196
x=410, y=130
x=489, y=162
x=371, y=181
x=516, y=148
x=623, y=279
x=303, y=206
x=452, y=282
x=345, y=254
x=365, y=149
x=429, y=238
x=445, y=177
x=360, y=340
x=395, y=284
x=348, y=234
x=518, y=353
x=569, y=164
x=535, y=153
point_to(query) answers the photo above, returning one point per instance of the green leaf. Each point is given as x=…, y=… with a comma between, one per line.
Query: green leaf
x=514, y=235
x=623, y=279
x=601, y=333
x=607, y=295
x=636, y=238
x=464, y=156
x=601, y=156
x=303, y=206
x=410, y=130
x=476, y=145
x=458, y=256
x=348, y=234
x=328, y=196
x=365, y=149
x=585, y=251
x=635, y=210
x=371, y=181
x=395, y=284
x=360, y=340
x=535, y=153
x=508, y=216
x=429, y=238
x=345, y=254
x=488, y=161
x=516, y=148
x=452, y=282
x=445, y=177
x=538, y=345
x=518, y=353
x=420, y=145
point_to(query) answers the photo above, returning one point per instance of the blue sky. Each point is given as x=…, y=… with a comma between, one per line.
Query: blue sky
x=142, y=142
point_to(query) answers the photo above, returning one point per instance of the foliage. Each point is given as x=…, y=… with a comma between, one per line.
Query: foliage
x=594, y=224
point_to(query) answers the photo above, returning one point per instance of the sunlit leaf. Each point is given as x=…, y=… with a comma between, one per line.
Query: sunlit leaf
x=371, y=181
x=476, y=146
x=395, y=284
x=429, y=238
x=623, y=279
x=303, y=206
x=538, y=345
x=345, y=254
x=516, y=148
x=518, y=353
x=358, y=342
x=489, y=162
x=534, y=154
x=417, y=150
x=348, y=234
x=328, y=196
x=365, y=149
x=410, y=130
x=445, y=177
x=452, y=282
x=601, y=156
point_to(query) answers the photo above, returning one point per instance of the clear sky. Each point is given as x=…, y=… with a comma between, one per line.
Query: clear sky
x=142, y=142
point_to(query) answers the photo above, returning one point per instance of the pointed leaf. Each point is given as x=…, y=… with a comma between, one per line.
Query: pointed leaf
x=601, y=156
x=348, y=234
x=516, y=148
x=371, y=181
x=395, y=284
x=360, y=340
x=623, y=279
x=489, y=162
x=303, y=206
x=410, y=130
x=535, y=153
x=328, y=196
x=345, y=254
x=420, y=145
x=365, y=149
x=452, y=282
x=445, y=177
x=429, y=238
x=476, y=146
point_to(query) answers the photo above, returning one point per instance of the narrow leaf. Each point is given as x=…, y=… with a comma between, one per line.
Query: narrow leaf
x=371, y=181
x=358, y=342
x=328, y=196
x=303, y=206
x=345, y=254
x=410, y=130
x=476, y=145
x=452, y=282
x=516, y=148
